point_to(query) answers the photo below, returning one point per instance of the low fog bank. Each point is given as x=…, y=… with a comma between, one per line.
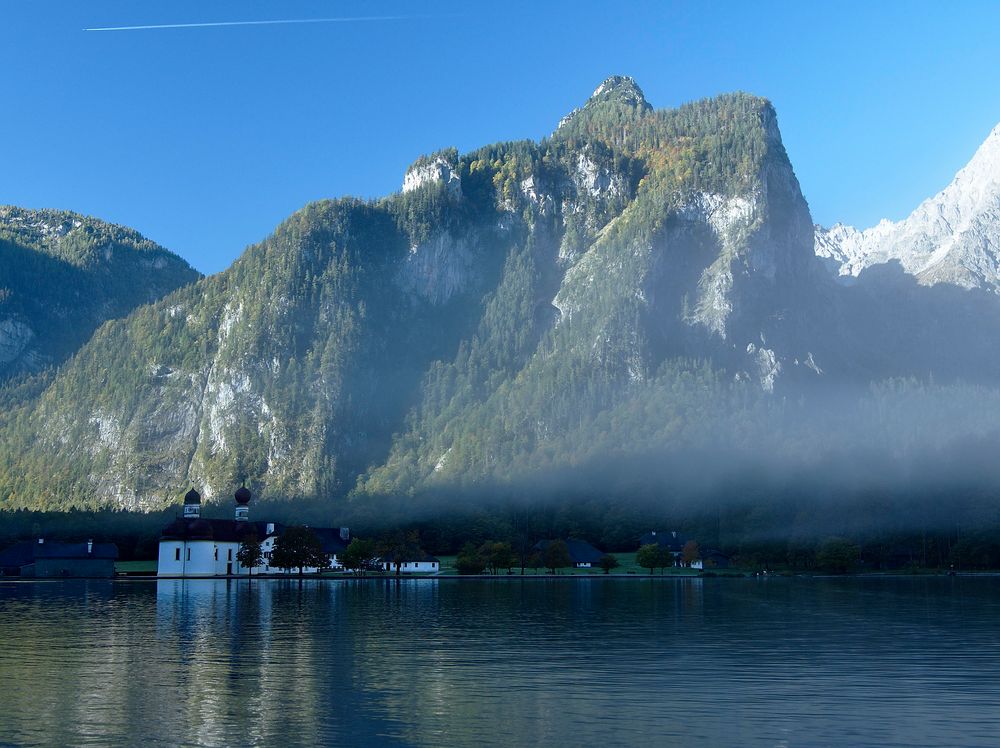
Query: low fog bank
x=903, y=465
x=857, y=493
x=899, y=468
x=901, y=441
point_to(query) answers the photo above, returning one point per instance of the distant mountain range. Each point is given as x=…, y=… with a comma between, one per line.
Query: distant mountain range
x=642, y=285
x=953, y=237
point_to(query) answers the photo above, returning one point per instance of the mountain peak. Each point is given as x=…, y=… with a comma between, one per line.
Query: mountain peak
x=950, y=237
x=620, y=88
x=988, y=153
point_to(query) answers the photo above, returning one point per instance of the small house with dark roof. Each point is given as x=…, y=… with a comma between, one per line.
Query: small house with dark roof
x=193, y=546
x=714, y=559
x=581, y=553
x=44, y=559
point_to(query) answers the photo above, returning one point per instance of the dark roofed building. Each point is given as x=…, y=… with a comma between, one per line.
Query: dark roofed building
x=714, y=559
x=581, y=553
x=16, y=558
x=334, y=540
x=48, y=559
x=198, y=546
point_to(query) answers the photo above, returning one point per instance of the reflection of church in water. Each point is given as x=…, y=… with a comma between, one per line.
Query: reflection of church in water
x=193, y=546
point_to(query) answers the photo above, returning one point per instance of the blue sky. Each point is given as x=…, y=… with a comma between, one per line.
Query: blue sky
x=205, y=138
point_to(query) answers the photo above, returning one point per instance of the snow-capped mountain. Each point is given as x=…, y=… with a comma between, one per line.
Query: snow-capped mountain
x=953, y=237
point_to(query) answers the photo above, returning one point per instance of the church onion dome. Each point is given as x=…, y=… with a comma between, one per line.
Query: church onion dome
x=242, y=496
x=192, y=497
x=200, y=529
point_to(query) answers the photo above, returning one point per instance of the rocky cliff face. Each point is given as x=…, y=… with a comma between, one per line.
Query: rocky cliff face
x=434, y=170
x=641, y=280
x=301, y=367
x=953, y=237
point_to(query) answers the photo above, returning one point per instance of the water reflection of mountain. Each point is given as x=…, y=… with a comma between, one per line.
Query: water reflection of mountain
x=68, y=664
x=511, y=662
x=499, y=662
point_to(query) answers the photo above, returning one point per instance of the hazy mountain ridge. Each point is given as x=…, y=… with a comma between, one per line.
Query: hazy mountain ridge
x=643, y=281
x=64, y=274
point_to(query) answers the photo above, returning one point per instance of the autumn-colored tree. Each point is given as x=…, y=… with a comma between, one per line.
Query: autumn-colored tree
x=469, y=560
x=690, y=553
x=497, y=556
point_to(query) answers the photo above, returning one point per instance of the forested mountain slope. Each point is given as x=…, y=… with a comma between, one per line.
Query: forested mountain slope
x=63, y=274
x=640, y=284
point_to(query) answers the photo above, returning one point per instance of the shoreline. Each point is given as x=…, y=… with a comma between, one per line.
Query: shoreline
x=502, y=577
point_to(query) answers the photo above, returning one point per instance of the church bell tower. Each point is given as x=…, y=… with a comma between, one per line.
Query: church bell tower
x=192, y=505
x=242, y=500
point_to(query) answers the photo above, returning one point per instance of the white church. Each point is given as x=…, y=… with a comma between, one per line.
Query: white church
x=192, y=546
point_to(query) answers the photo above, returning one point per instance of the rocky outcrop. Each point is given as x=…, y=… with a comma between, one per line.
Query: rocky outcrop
x=436, y=170
x=595, y=180
x=726, y=272
x=15, y=336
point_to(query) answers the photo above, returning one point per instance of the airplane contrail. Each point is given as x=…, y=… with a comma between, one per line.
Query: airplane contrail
x=346, y=19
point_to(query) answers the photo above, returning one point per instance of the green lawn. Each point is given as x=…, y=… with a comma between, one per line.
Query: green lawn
x=627, y=560
x=122, y=567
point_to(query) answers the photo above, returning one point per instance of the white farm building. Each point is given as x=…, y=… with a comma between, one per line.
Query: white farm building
x=417, y=563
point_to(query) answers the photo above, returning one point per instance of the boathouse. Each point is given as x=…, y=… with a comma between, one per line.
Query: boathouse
x=46, y=559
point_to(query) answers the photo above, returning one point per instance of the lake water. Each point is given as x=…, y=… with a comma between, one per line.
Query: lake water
x=686, y=662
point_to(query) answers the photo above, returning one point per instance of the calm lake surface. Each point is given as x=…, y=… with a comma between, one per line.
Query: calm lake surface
x=686, y=662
